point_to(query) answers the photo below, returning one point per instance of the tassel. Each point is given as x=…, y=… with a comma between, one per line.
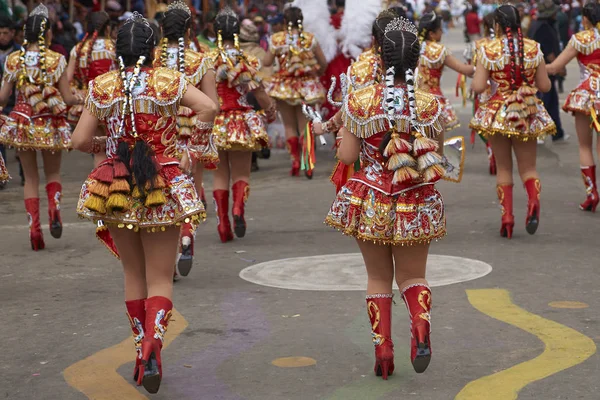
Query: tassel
x=514, y=107
x=104, y=173
x=99, y=189
x=30, y=90
x=405, y=174
x=36, y=99
x=117, y=202
x=95, y=203
x=160, y=182
x=512, y=116
x=401, y=160
x=40, y=108
x=428, y=160
x=423, y=145
x=136, y=193
x=396, y=145
x=49, y=91
x=433, y=173
x=59, y=109
x=120, y=169
x=155, y=198
x=119, y=186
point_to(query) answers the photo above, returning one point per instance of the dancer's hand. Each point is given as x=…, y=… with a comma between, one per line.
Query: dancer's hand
x=318, y=128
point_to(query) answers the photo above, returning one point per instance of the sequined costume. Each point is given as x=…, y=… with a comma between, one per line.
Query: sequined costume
x=196, y=66
x=485, y=96
x=431, y=66
x=4, y=176
x=37, y=122
x=371, y=206
x=94, y=58
x=238, y=126
x=296, y=82
x=585, y=96
x=106, y=195
x=513, y=113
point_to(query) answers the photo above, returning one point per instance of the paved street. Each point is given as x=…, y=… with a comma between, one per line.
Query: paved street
x=510, y=318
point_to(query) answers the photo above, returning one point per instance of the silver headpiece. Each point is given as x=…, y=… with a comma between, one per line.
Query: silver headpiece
x=401, y=24
x=40, y=10
x=179, y=5
x=138, y=18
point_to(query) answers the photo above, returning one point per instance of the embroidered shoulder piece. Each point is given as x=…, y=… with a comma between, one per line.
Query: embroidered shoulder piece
x=370, y=52
x=103, y=93
x=56, y=64
x=433, y=55
x=11, y=67
x=365, y=72
x=585, y=42
x=278, y=42
x=494, y=54
x=167, y=87
x=476, y=46
x=311, y=40
x=364, y=113
x=197, y=65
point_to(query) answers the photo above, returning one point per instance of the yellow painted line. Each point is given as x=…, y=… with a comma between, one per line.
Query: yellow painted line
x=564, y=348
x=97, y=376
x=568, y=304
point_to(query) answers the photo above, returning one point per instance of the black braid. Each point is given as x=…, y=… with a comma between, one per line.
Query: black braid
x=293, y=15
x=135, y=39
x=175, y=24
x=33, y=27
x=384, y=18
x=430, y=22
x=507, y=16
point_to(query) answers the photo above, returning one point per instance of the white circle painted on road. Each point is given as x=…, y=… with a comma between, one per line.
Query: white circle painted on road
x=347, y=272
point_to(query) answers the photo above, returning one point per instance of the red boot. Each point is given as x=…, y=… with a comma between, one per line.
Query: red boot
x=505, y=196
x=293, y=146
x=158, y=313
x=491, y=158
x=533, y=188
x=32, y=206
x=221, y=198
x=186, y=257
x=418, y=302
x=589, y=180
x=241, y=191
x=136, y=312
x=54, y=191
x=203, y=197
x=379, y=307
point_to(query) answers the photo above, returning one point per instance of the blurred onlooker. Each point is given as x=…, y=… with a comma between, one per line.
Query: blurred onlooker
x=473, y=24
x=525, y=18
x=208, y=36
x=276, y=23
x=544, y=32
x=336, y=18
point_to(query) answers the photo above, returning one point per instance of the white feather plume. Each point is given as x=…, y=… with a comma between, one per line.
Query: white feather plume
x=357, y=24
x=317, y=21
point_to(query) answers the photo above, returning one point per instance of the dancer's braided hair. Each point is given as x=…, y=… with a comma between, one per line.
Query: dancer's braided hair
x=507, y=16
x=174, y=26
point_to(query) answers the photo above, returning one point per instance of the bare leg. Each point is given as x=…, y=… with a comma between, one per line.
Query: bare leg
x=160, y=252
x=130, y=248
x=98, y=158
x=30, y=170
x=503, y=152
x=411, y=263
x=584, y=135
x=199, y=178
x=526, y=158
x=222, y=173
x=301, y=119
x=52, y=165
x=288, y=114
x=380, y=266
x=240, y=162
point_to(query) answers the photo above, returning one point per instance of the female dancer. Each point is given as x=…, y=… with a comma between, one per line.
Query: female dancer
x=583, y=101
x=301, y=61
x=239, y=130
x=434, y=57
x=489, y=22
x=391, y=205
x=513, y=117
x=37, y=121
x=175, y=54
x=142, y=194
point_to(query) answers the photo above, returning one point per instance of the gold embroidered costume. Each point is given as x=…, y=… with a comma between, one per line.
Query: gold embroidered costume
x=4, y=176
x=513, y=113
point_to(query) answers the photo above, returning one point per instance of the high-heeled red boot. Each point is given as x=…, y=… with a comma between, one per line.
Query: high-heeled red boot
x=32, y=206
x=54, y=191
x=589, y=180
x=379, y=307
x=533, y=188
x=136, y=312
x=505, y=197
x=241, y=191
x=491, y=158
x=186, y=257
x=293, y=146
x=221, y=198
x=158, y=313
x=418, y=302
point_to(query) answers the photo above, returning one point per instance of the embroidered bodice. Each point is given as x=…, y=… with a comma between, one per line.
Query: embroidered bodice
x=587, y=44
x=156, y=99
x=196, y=64
x=431, y=64
x=13, y=71
x=495, y=57
x=102, y=57
x=237, y=75
x=296, y=57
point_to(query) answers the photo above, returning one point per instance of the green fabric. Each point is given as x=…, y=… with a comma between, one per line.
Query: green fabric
x=203, y=40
